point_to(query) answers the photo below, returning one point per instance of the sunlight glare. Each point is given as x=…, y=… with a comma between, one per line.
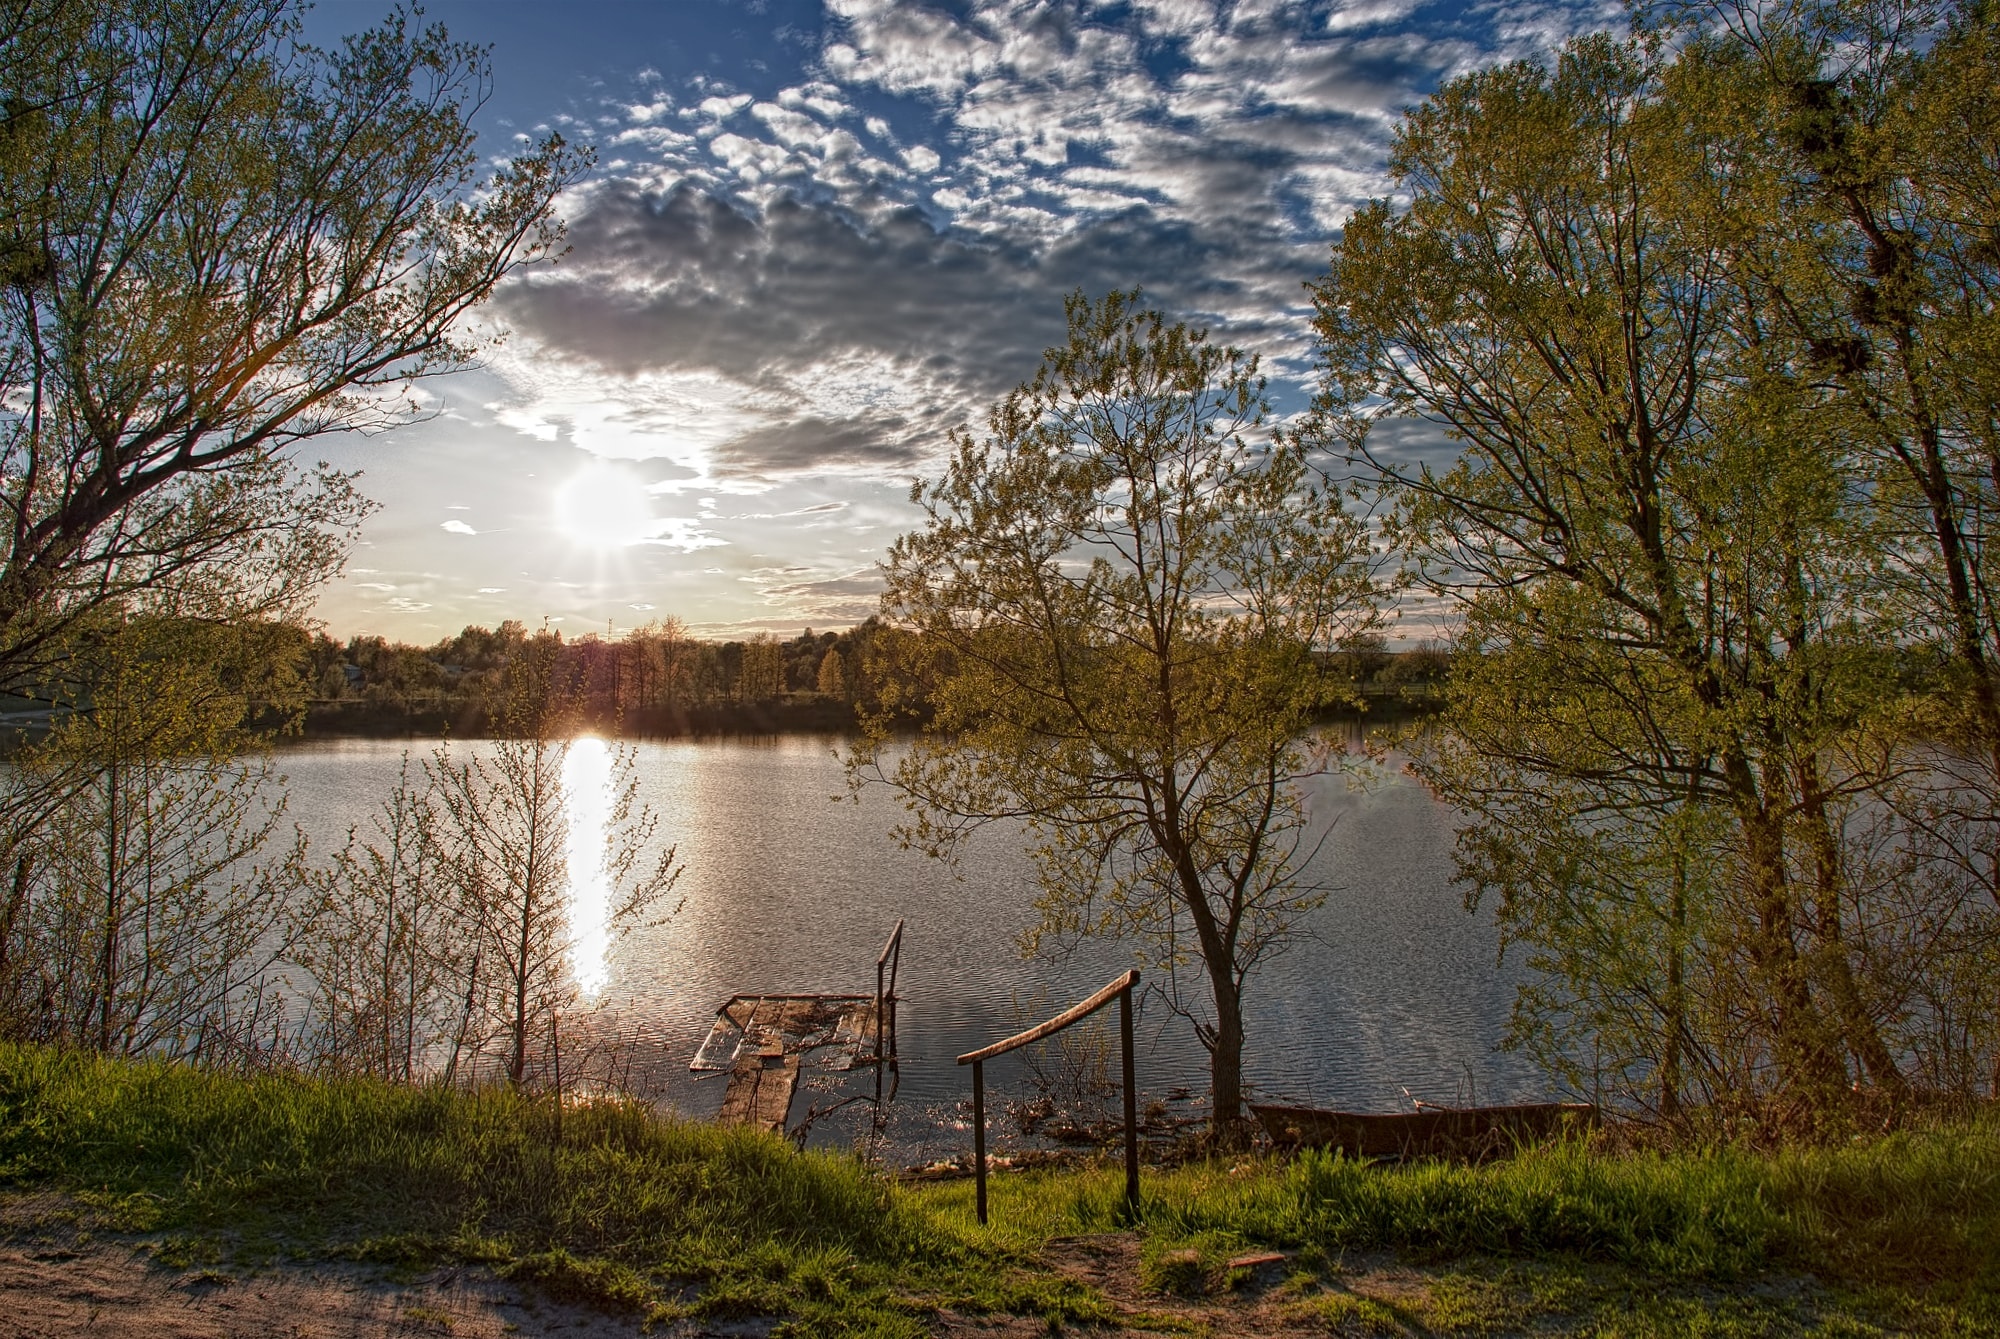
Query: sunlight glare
x=587, y=789
x=604, y=506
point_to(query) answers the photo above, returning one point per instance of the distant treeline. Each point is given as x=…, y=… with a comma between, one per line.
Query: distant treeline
x=660, y=681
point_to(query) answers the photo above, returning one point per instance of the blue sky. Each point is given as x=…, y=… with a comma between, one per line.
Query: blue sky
x=818, y=236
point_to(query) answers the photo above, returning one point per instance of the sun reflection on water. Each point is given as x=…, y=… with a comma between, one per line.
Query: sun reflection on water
x=587, y=788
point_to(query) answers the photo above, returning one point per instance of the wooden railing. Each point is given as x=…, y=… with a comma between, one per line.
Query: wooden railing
x=1120, y=990
x=887, y=961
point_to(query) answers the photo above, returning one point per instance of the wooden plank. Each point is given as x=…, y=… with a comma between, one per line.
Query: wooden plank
x=852, y=1035
x=797, y=1018
x=718, y=1050
x=1056, y=1024
x=764, y=1035
x=775, y=1025
x=774, y=1095
x=760, y=1092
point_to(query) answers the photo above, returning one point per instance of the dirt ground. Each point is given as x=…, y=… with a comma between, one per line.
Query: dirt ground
x=60, y=1276
x=60, y=1279
x=118, y=1290
x=1261, y=1306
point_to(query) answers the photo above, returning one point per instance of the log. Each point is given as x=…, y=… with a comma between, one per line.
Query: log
x=1468, y=1133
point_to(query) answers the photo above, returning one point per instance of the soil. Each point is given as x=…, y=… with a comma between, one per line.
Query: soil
x=62, y=1275
x=59, y=1280
x=1262, y=1305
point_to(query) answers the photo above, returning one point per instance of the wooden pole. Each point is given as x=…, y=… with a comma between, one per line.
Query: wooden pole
x=979, y=1135
x=1131, y=1104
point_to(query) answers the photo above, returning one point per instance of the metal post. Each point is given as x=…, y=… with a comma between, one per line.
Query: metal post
x=1131, y=1103
x=979, y=1135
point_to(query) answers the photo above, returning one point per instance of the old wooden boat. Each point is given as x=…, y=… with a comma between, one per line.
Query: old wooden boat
x=1472, y=1133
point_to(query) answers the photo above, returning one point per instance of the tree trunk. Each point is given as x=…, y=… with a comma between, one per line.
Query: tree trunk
x=114, y=913
x=1671, y=1079
x=1225, y=1058
x=1808, y=1067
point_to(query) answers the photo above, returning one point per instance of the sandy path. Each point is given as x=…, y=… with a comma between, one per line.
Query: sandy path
x=114, y=1290
x=62, y=1275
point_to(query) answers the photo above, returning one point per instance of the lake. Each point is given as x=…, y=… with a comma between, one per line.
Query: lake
x=1397, y=991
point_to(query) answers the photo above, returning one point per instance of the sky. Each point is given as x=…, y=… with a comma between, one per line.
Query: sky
x=822, y=233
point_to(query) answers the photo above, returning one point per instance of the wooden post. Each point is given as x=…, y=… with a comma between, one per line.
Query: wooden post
x=979, y=1135
x=1131, y=1104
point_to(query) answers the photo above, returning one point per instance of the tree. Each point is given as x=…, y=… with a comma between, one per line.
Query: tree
x=154, y=889
x=389, y=960
x=832, y=680
x=762, y=677
x=1113, y=609
x=1877, y=123
x=1670, y=680
x=217, y=245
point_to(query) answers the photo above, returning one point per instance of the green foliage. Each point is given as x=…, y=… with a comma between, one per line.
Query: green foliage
x=153, y=885
x=623, y=1208
x=220, y=243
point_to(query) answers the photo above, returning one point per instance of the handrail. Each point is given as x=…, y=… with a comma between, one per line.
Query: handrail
x=888, y=962
x=1075, y=1013
x=1120, y=990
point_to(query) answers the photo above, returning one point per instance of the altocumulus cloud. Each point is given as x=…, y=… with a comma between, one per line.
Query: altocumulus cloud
x=862, y=291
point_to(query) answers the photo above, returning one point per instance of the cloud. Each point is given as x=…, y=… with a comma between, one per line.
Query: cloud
x=842, y=599
x=458, y=528
x=860, y=335
x=768, y=298
x=814, y=443
x=793, y=292
x=677, y=532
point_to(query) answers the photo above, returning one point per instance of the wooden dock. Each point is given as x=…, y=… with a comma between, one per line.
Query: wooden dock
x=761, y=1040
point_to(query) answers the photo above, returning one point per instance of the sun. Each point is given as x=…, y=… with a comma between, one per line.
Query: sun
x=604, y=506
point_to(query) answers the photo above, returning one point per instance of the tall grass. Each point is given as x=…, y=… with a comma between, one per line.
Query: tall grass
x=618, y=1205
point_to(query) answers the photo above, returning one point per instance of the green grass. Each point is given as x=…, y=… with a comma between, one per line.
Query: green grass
x=663, y=1218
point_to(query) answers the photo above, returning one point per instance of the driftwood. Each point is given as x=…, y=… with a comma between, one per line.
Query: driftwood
x=1470, y=1133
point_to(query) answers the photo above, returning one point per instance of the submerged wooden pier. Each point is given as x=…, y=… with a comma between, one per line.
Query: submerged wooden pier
x=760, y=1040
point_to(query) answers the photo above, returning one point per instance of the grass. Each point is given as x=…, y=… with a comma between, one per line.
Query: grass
x=665, y=1219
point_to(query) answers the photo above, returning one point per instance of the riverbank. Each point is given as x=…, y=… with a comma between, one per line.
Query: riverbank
x=218, y=1179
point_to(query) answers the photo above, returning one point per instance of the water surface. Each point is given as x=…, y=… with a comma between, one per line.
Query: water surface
x=790, y=885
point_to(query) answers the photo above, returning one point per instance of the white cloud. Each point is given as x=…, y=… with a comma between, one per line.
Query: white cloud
x=458, y=528
x=719, y=108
